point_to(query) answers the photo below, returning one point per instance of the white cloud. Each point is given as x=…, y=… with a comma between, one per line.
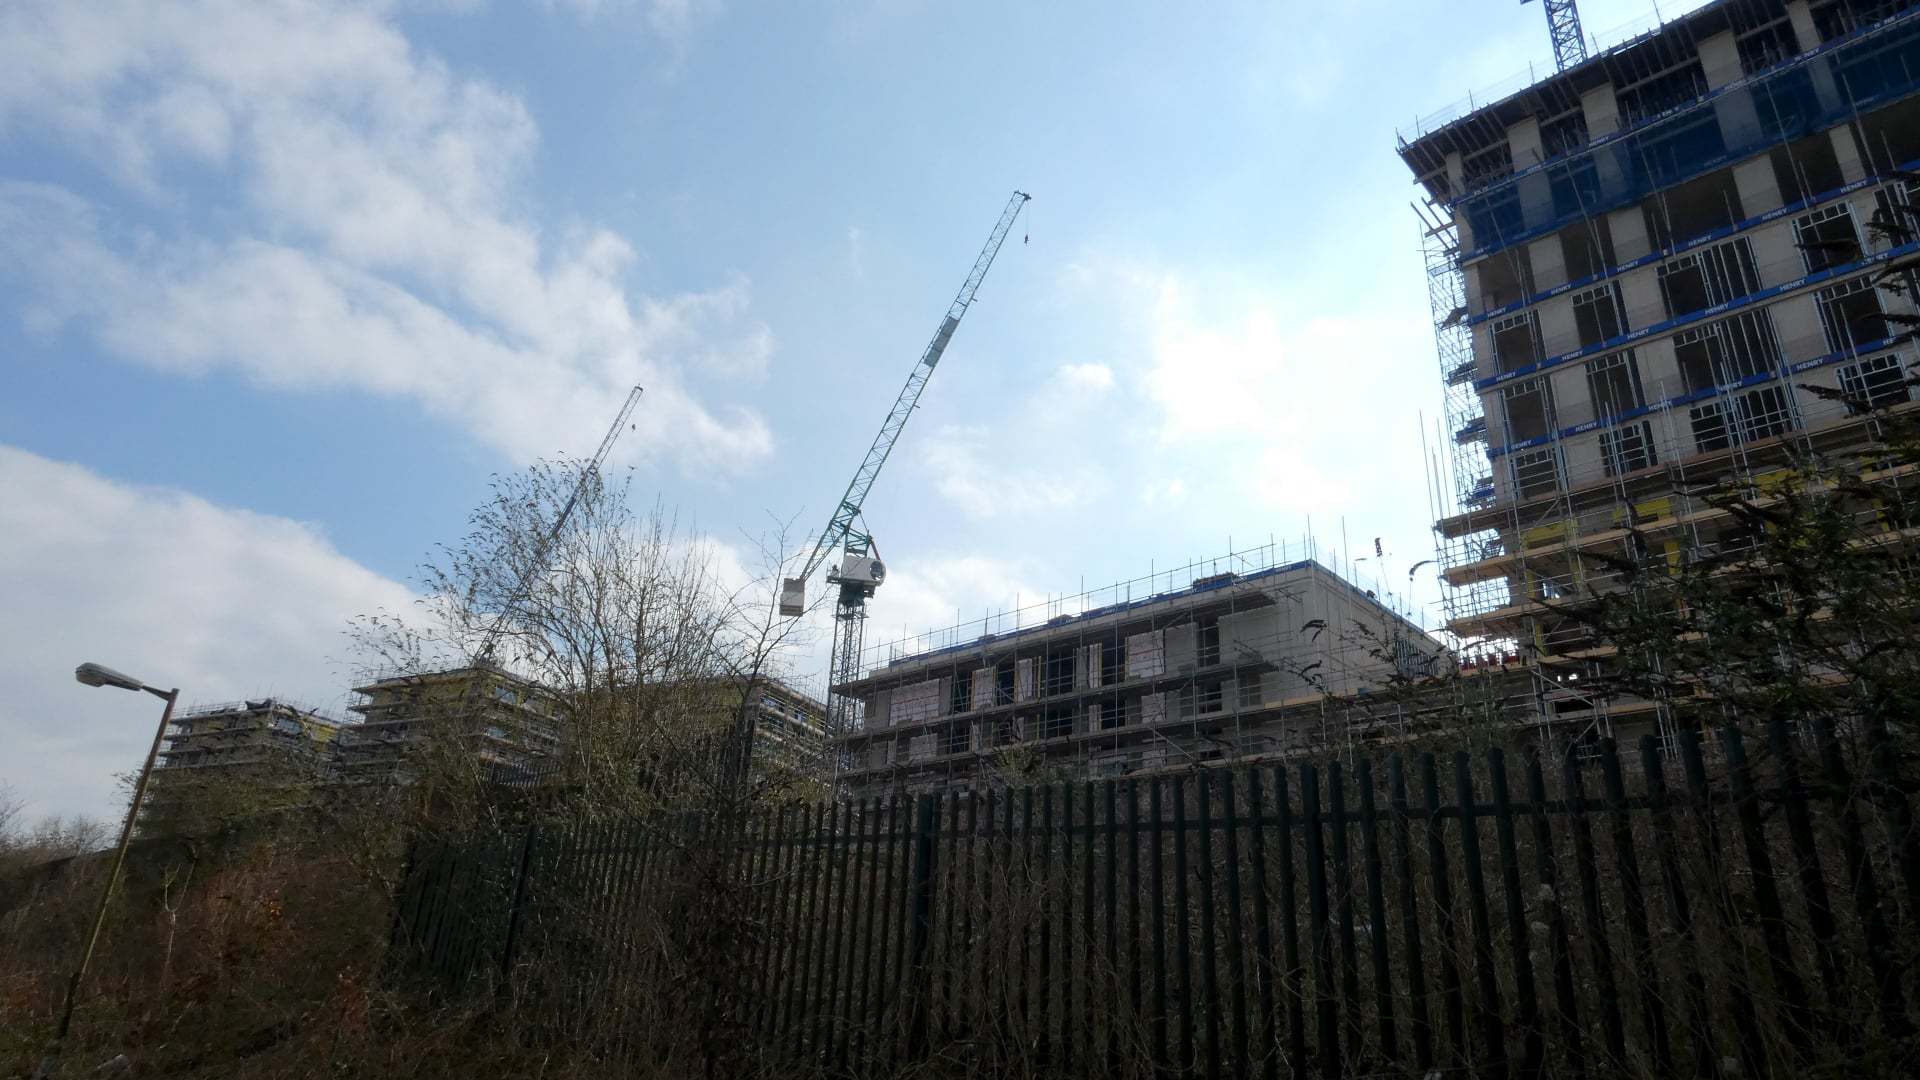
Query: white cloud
x=672, y=21
x=1085, y=378
x=973, y=468
x=168, y=587
x=1041, y=458
x=937, y=593
x=378, y=239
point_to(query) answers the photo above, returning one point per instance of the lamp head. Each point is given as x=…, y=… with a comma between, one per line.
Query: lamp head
x=99, y=675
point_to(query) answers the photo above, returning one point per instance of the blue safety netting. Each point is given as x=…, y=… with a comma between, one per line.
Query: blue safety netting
x=1843, y=79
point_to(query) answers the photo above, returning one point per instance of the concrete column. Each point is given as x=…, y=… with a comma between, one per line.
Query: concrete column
x=1461, y=226
x=1759, y=187
x=1774, y=253
x=1523, y=142
x=1629, y=229
x=1640, y=298
x=1572, y=400
x=1720, y=58
x=1558, y=333
x=1848, y=151
x=1800, y=14
x=1602, y=111
x=1659, y=371
x=1549, y=262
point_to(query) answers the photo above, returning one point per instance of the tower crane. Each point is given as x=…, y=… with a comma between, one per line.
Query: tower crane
x=860, y=571
x=1563, y=26
x=538, y=564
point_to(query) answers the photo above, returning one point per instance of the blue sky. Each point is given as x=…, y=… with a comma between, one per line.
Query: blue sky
x=283, y=282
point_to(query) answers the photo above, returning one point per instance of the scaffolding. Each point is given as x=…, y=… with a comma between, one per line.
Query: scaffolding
x=1259, y=653
x=1565, y=454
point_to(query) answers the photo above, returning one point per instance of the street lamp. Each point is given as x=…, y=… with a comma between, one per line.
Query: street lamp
x=97, y=675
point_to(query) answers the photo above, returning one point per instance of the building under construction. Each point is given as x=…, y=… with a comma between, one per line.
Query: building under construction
x=1639, y=266
x=1249, y=655
x=503, y=723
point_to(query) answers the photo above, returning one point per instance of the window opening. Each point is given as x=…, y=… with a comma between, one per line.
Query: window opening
x=1207, y=644
x=1564, y=134
x=1505, y=276
x=1698, y=206
x=1767, y=47
x=1614, y=384
x=1727, y=351
x=1596, y=314
x=1516, y=341
x=1896, y=216
x=1529, y=409
x=1587, y=248
x=1806, y=167
x=955, y=739
x=960, y=694
x=1847, y=312
x=1827, y=237
x=1486, y=166
x=1875, y=383
x=1628, y=448
x=1712, y=275
x=1535, y=472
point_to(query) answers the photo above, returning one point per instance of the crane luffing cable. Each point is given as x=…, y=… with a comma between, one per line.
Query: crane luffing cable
x=839, y=527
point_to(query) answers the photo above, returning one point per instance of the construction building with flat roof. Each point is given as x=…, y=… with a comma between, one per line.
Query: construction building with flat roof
x=506, y=722
x=1639, y=266
x=248, y=735
x=221, y=762
x=1246, y=656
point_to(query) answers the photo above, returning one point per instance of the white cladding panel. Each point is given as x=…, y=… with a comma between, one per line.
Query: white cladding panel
x=983, y=688
x=1153, y=708
x=915, y=702
x=1147, y=654
x=1023, y=682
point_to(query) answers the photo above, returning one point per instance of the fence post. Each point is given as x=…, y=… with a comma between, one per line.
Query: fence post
x=515, y=912
x=925, y=830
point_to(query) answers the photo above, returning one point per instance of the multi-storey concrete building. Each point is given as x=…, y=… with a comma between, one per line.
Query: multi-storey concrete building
x=505, y=722
x=221, y=763
x=790, y=728
x=1228, y=664
x=248, y=735
x=516, y=729
x=1639, y=266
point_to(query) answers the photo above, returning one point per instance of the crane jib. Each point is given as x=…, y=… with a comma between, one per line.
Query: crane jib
x=792, y=591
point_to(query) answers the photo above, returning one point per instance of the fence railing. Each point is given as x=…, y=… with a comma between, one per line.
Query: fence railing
x=1744, y=906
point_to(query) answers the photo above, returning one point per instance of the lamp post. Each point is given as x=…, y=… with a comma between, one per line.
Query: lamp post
x=97, y=675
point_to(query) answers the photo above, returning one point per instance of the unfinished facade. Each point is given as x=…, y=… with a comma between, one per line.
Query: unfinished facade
x=790, y=726
x=1637, y=268
x=1257, y=660
x=228, y=761
x=505, y=722
x=248, y=735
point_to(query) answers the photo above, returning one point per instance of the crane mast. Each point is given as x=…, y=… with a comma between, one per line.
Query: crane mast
x=860, y=572
x=1563, y=26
